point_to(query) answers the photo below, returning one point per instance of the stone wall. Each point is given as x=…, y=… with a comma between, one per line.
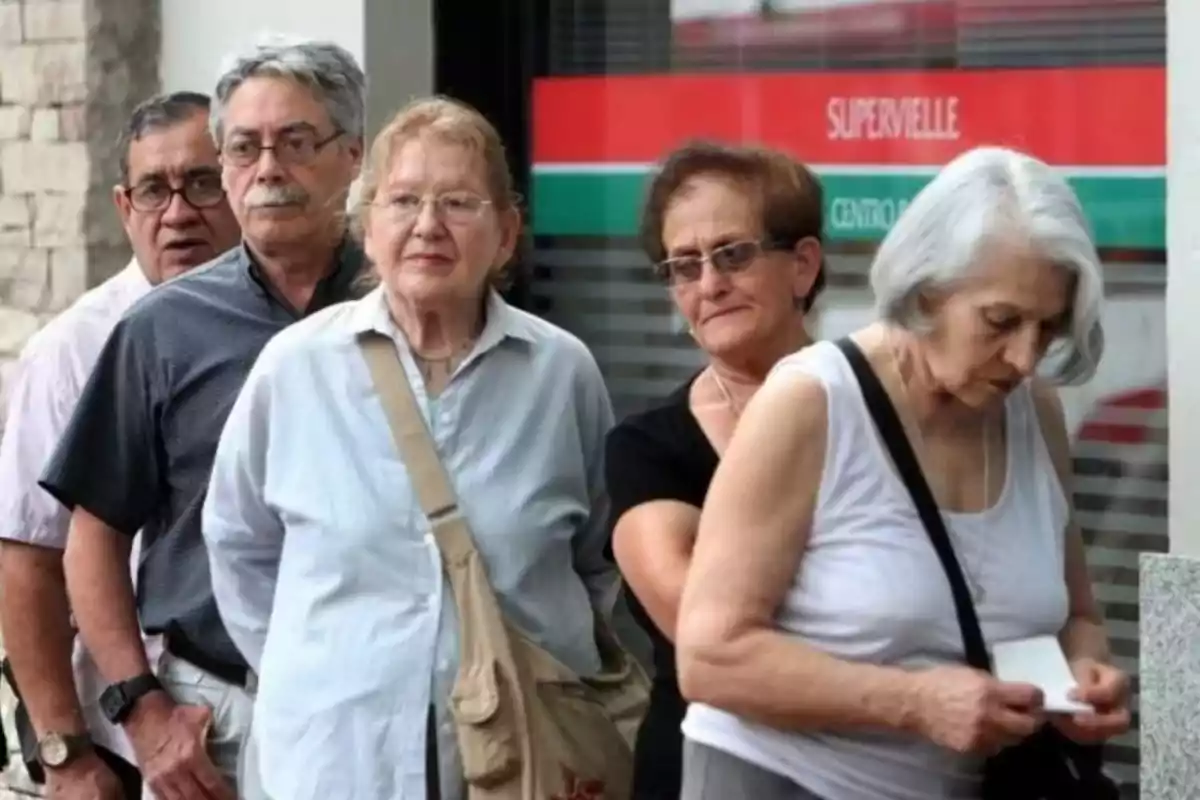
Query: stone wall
x=71, y=71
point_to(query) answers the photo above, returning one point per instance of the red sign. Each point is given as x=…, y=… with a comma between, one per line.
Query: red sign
x=1106, y=116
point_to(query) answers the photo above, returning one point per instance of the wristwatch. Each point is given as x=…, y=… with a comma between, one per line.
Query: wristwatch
x=55, y=750
x=118, y=700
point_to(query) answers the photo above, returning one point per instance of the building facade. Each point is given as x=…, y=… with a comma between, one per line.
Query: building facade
x=875, y=94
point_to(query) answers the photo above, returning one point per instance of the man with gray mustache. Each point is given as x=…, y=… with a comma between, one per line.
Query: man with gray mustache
x=288, y=121
x=261, y=196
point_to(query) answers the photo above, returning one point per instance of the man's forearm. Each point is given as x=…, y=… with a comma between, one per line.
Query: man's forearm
x=38, y=637
x=101, y=592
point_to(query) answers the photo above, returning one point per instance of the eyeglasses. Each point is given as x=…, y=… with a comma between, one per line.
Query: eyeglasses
x=199, y=190
x=455, y=208
x=296, y=148
x=728, y=259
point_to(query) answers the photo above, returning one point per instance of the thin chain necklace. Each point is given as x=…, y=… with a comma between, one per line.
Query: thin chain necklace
x=437, y=370
x=978, y=590
x=734, y=406
x=448, y=359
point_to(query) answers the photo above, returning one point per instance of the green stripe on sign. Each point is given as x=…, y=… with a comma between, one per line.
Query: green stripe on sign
x=1126, y=211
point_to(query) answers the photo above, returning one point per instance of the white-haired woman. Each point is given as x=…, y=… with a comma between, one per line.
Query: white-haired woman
x=817, y=634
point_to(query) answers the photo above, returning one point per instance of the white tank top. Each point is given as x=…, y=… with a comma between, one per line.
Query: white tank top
x=871, y=589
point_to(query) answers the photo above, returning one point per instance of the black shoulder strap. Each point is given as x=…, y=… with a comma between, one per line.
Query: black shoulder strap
x=891, y=431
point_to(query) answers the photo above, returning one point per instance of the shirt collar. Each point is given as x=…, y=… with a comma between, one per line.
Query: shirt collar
x=135, y=276
x=338, y=285
x=371, y=315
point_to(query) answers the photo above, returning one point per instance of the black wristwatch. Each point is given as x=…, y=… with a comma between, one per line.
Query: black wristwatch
x=118, y=700
x=57, y=750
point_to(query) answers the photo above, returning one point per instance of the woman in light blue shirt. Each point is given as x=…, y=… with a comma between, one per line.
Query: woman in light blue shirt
x=323, y=564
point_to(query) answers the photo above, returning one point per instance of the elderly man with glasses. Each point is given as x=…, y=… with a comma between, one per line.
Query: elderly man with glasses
x=288, y=121
x=175, y=213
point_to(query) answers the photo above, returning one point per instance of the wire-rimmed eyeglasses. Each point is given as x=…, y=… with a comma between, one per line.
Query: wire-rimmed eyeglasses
x=455, y=208
x=728, y=259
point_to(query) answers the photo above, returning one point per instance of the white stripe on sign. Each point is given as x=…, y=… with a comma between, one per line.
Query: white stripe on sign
x=635, y=168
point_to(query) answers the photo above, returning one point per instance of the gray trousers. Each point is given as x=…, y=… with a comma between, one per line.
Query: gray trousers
x=249, y=782
x=232, y=708
x=711, y=774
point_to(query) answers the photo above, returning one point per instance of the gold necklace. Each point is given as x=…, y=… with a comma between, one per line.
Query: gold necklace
x=452, y=358
x=437, y=371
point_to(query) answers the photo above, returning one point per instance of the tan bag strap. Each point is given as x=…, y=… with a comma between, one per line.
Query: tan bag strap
x=425, y=469
x=417, y=449
x=483, y=638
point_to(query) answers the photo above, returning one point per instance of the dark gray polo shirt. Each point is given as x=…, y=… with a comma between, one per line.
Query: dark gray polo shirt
x=139, y=448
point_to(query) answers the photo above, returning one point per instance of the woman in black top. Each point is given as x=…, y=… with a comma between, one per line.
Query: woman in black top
x=735, y=234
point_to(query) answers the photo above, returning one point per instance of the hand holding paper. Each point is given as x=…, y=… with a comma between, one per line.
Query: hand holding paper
x=1090, y=700
x=1040, y=661
x=1106, y=689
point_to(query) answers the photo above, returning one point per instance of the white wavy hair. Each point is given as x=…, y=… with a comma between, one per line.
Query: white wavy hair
x=986, y=195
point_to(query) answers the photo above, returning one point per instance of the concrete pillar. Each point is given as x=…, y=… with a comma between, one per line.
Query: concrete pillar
x=1183, y=272
x=399, y=50
x=1170, y=584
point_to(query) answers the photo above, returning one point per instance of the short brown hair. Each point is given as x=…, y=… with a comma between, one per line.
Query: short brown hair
x=450, y=121
x=790, y=196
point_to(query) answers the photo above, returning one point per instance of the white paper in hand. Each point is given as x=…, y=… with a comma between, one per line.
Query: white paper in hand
x=1040, y=661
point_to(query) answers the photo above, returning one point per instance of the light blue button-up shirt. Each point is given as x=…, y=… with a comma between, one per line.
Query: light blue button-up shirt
x=325, y=569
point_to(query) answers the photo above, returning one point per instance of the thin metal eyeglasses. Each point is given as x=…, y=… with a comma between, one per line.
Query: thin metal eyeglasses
x=728, y=259
x=456, y=208
x=199, y=190
x=295, y=147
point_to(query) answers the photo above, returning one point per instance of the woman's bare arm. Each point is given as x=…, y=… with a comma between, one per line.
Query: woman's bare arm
x=653, y=544
x=753, y=532
x=1084, y=635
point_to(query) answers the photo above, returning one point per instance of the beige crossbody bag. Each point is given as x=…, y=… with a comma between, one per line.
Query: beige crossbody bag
x=528, y=727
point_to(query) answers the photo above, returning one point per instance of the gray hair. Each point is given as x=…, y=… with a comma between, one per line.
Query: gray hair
x=985, y=193
x=155, y=114
x=325, y=68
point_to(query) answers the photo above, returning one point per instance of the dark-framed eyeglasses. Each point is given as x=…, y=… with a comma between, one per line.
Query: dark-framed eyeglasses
x=199, y=190
x=294, y=148
x=728, y=259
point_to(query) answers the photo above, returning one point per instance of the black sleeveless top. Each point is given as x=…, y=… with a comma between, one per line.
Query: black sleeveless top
x=659, y=454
